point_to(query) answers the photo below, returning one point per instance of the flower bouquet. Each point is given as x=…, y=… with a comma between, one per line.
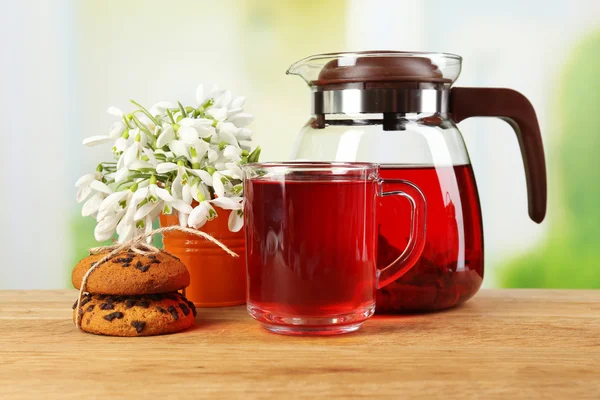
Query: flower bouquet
x=179, y=163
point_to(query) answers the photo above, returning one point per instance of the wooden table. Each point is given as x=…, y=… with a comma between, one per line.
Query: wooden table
x=501, y=344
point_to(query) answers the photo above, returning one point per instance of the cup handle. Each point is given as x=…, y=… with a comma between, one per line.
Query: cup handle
x=416, y=241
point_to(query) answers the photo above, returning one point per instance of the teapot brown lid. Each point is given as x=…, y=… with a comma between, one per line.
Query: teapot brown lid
x=380, y=68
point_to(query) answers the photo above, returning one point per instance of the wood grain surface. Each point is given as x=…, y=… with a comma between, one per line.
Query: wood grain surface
x=501, y=344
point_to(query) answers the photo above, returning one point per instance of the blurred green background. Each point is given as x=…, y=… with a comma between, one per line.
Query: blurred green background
x=569, y=256
x=66, y=61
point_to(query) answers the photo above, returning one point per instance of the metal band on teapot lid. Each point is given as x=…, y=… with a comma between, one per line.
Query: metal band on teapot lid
x=380, y=100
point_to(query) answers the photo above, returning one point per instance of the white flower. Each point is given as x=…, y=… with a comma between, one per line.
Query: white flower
x=227, y=133
x=204, y=211
x=159, y=199
x=160, y=108
x=115, y=131
x=111, y=215
x=194, y=150
x=91, y=184
x=202, y=126
x=166, y=136
x=236, y=220
x=228, y=203
x=241, y=120
x=114, y=111
x=134, y=150
x=232, y=153
x=218, y=185
x=233, y=170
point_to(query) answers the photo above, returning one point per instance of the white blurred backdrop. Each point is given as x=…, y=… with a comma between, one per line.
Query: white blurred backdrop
x=64, y=62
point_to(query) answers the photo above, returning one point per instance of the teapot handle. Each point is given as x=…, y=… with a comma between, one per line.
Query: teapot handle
x=514, y=108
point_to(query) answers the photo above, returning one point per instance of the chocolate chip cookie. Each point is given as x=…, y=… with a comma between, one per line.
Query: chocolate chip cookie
x=129, y=273
x=139, y=315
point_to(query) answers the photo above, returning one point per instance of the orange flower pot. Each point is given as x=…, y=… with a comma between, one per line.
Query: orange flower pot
x=217, y=279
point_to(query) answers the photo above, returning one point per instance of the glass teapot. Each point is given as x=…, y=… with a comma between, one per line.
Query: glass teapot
x=398, y=109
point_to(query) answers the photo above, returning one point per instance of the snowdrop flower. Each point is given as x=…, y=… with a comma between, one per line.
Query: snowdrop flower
x=233, y=170
x=155, y=198
x=160, y=108
x=147, y=161
x=218, y=185
x=194, y=150
x=228, y=203
x=114, y=111
x=91, y=184
x=236, y=220
x=202, y=126
x=116, y=214
x=241, y=120
x=115, y=131
x=227, y=132
x=232, y=153
x=132, y=152
x=204, y=211
x=166, y=136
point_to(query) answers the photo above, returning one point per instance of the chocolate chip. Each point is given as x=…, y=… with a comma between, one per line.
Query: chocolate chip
x=161, y=310
x=124, y=260
x=152, y=257
x=155, y=261
x=192, y=306
x=126, y=265
x=173, y=312
x=80, y=311
x=184, y=308
x=85, y=300
x=75, y=304
x=130, y=302
x=90, y=308
x=142, y=268
x=114, y=315
x=107, y=306
x=138, y=325
x=138, y=264
x=109, y=299
x=101, y=296
x=144, y=304
x=119, y=299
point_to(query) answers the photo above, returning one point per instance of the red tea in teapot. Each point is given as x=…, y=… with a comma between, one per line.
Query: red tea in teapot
x=399, y=109
x=450, y=269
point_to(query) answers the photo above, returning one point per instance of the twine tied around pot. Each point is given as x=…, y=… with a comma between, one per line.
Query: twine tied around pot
x=138, y=247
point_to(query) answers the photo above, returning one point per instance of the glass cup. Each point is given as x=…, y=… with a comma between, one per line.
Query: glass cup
x=311, y=244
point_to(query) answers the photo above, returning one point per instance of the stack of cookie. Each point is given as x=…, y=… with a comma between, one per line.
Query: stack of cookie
x=133, y=295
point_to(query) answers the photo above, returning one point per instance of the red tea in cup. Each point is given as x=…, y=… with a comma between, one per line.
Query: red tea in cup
x=311, y=245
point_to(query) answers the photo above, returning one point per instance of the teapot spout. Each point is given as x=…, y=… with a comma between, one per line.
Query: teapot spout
x=305, y=69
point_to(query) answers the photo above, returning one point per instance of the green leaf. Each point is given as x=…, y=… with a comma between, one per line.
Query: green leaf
x=142, y=109
x=253, y=157
x=170, y=114
x=141, y=126
x=182, y=109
